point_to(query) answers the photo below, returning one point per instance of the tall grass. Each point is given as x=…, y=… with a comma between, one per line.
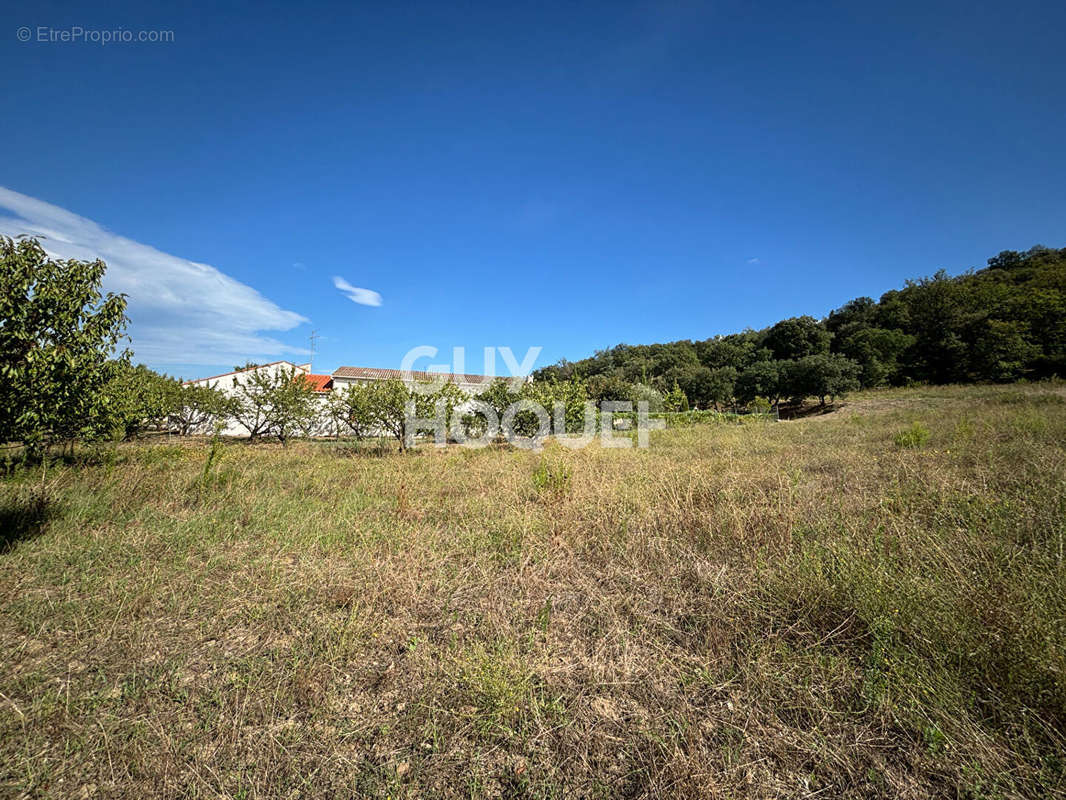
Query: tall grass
x=795, y=608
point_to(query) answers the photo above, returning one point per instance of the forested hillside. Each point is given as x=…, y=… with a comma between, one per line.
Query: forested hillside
x=1000, y=323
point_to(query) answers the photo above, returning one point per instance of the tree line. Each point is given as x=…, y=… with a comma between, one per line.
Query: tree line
x=67, y=376
x=1003, y=322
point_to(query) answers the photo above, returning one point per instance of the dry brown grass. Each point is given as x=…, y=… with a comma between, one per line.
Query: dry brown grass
x=789, y=609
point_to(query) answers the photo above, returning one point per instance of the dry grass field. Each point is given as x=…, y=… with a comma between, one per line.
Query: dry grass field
x=836, y=606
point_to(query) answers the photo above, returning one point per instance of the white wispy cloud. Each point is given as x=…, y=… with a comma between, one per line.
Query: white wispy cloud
x=181, y=311
x=754, y=260
x=364, y=297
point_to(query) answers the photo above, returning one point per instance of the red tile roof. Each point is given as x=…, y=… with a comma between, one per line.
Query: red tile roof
x=319, y=383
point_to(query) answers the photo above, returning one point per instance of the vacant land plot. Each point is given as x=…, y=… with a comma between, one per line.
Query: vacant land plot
x=870, y=603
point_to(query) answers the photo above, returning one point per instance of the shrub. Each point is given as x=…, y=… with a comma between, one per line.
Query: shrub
x=675, y=399
x=552, y=478
x=642, y=393
x=913, y=437
x=474, y=425
x=760, y=405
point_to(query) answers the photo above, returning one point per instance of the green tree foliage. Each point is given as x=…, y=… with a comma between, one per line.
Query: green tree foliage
x=609, y=387
x=937, y=321
x=762, y=379
x=390, y=401
x=1001, y=350
x=855, y=315
x=1001, y=323
x=443, y=401
x=997, y=324
x=279, y=403
x=693, y=381
x=825, y=376
x=572, y=394
x=498, y=396
x=294, y=409
x=134, y=400
x=250, y=406
x=878, y=352
x=675, y=399
x=705, y=387
x=737, y=350
x=58, y=335
x=797, y=337
x=723, y=386
x=352, y=407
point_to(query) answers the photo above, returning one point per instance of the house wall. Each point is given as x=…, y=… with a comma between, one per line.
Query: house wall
x=226, y=384
x=327, y=426
x=471, y=389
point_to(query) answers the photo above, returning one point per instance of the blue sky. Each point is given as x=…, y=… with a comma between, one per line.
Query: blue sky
x=568, y=176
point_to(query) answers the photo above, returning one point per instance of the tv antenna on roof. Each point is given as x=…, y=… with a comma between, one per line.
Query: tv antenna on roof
x=314, y=338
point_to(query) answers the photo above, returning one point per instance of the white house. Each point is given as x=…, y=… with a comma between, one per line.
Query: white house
x=225, y=384
x=323, y=385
